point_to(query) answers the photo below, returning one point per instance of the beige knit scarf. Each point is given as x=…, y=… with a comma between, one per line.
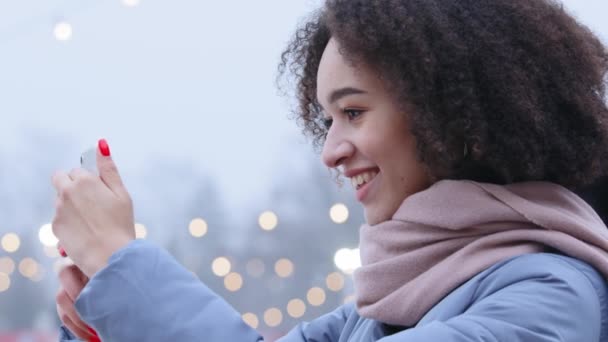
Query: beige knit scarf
x=441, y=237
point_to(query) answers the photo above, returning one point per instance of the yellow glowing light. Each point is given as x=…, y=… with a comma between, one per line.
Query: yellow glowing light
x=338, y=213
x=5, y=282
x=316, y=296
x=7, y=265
x=198, y=227
x=255, y=268
x=283, y=268
x=46, y=236
x=268, y=220
x=233, y=282
x=63, y=31
x=335, y=281
x=251, y=320
x=296, y=308
x=221, y=266
x=347, y=260
x=140, y=231
x=11, y=242
x=130, y=3
x=273, y=317
x=28, y=267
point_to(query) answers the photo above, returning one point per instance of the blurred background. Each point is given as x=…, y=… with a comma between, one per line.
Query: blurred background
x=184, y=92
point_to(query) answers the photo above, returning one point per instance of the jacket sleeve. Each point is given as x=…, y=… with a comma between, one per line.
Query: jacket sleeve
x=144, y=294
x=521, y=303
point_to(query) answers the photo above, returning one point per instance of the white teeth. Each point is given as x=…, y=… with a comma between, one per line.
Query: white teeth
x=363, y=178
x=366, y=177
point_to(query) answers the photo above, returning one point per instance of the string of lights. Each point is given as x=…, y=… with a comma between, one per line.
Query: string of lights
x=345, y=259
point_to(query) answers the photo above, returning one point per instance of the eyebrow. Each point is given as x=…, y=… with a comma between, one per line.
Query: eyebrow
x=340, y=93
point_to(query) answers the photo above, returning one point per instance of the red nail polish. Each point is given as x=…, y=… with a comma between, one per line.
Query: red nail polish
x=104, y=147
x=94, y=339
x=92, y=332
x=62, y=252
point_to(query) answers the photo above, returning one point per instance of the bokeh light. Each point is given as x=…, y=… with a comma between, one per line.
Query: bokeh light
x=347, y=260
x=140, y=231
x=5, y=282
x=316, y=296
x=10, y=242
x=273, y=317
x=221, y=266
x=268, y=220
x=46, y=236
x=283, y=268
x=296, y=308
x=233, y=282
x=28, y=267
x=335, y=281
x=338, y=213
x=251, y=320
x=63, y=31
x=198, y=227
x=7, y=265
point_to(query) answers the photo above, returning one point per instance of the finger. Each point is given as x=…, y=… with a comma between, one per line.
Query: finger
x=72, y=280
x=77, y=330
x=68, y=315
x=107, y=168
x=78, y=173
x=60, y=181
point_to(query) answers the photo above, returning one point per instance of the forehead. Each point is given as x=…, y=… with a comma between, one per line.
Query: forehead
x=336, y=72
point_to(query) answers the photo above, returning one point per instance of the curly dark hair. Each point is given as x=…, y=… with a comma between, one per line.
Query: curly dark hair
x=519, y=82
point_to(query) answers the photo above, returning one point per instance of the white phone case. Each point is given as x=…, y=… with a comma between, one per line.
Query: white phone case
x=88, y=160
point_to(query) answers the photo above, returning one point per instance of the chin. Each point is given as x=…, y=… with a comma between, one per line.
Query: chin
x=373, y=217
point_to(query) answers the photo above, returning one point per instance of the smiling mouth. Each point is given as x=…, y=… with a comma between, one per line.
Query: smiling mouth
x=361, y=179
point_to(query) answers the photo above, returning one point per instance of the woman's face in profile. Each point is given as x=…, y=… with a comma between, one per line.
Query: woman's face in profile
x=368, y=136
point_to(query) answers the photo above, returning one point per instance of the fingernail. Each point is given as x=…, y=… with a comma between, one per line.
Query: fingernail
x=91, y=330
x=104, y=147
x=62, y=252
x=95, y=337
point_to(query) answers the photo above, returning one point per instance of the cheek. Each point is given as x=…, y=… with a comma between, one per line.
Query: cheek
x=407, y=174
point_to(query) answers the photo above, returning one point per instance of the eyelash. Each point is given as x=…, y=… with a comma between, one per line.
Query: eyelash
x=350, y=113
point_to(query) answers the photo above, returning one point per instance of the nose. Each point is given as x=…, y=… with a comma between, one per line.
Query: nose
x=336, y=148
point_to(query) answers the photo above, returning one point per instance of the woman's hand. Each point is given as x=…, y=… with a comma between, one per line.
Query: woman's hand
x=72, y=282
x=94, y=214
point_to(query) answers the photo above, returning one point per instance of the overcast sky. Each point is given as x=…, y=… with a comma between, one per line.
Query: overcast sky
x=188, y=79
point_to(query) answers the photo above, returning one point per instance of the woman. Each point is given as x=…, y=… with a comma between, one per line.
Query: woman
x=464, y=125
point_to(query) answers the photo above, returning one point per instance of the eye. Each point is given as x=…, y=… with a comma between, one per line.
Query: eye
x=352, y=113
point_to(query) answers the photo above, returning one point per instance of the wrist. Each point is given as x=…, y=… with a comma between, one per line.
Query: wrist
x=99, y=259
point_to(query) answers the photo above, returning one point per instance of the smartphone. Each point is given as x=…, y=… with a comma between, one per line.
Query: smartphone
x=88, y=160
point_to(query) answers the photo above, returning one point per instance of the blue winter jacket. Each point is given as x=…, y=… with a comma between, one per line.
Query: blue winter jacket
x=144, y=294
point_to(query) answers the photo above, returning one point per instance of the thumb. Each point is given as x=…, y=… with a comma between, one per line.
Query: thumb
x=108, y=172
